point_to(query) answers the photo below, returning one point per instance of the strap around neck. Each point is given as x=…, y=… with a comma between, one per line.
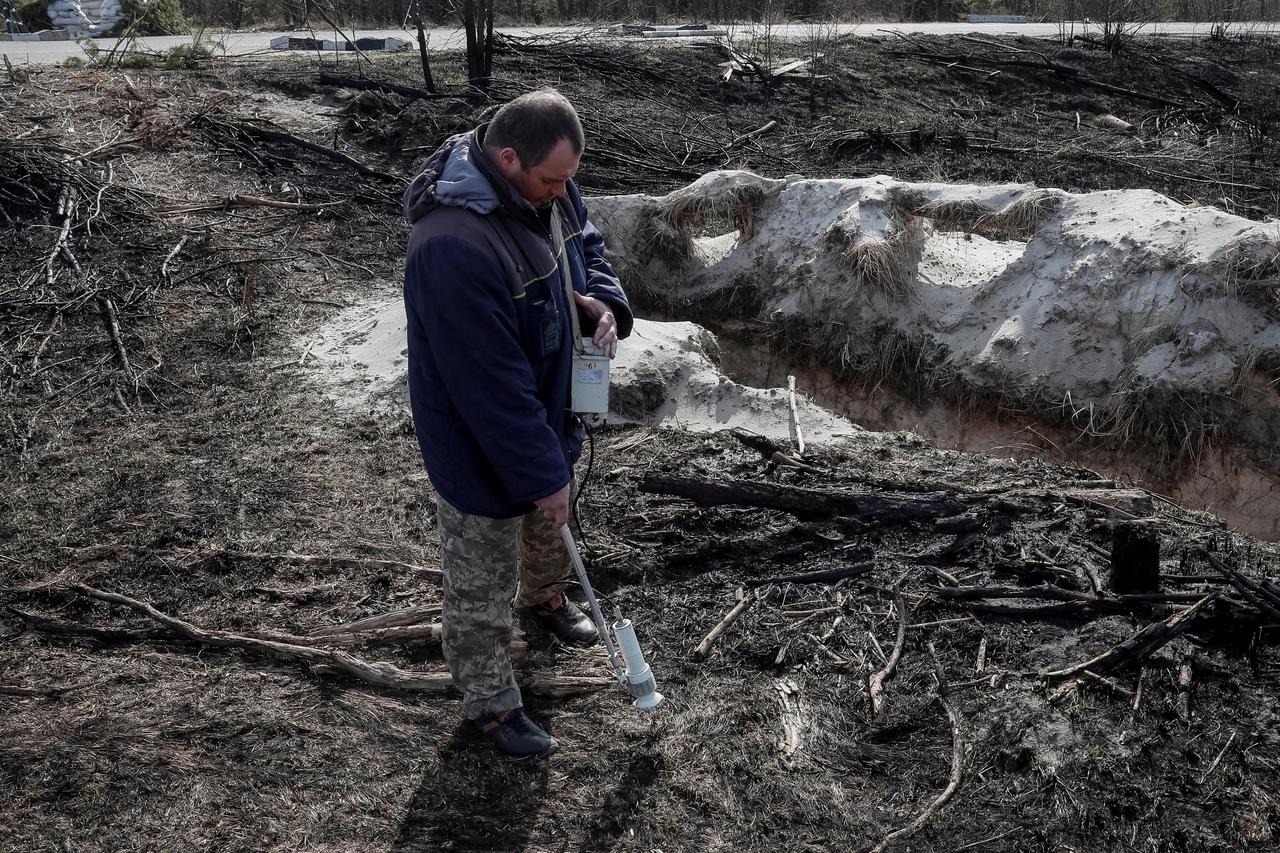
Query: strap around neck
x=566, y=272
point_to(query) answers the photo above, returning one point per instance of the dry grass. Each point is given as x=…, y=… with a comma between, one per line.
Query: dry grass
x=887, y=265
x=1250, y=267
x=692, y=211
x=1016, y=221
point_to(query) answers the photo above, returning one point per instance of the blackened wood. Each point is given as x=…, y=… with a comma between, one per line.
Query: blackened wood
x=811, y=503
x=1135, y=558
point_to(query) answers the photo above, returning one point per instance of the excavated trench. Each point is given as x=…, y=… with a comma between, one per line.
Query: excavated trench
x=1228, y=481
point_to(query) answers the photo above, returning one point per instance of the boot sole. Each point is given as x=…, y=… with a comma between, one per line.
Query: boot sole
x=535, y=756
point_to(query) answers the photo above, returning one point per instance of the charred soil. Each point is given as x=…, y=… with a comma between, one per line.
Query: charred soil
x=161, y=441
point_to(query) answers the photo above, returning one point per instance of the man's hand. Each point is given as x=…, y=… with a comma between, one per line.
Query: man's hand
x=606, y=336
x=556, y=507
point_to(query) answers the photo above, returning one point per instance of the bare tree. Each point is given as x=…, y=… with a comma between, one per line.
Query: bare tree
x=477, y=20
x=428, y=81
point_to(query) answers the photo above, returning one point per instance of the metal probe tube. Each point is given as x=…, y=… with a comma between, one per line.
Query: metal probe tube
x=601, y=625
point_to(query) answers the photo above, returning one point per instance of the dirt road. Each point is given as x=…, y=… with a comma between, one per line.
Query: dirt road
x=245, y=44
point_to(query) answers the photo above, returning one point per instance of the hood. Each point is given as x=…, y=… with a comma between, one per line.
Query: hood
x=459, y=174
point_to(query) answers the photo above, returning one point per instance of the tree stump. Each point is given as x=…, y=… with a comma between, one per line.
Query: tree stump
x=1135, y=559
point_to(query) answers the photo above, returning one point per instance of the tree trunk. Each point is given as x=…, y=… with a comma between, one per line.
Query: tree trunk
x=488, y=43
x=428, y=81
x=473, y=45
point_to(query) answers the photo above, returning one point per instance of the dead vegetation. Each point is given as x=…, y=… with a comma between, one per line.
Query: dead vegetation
x=701, y=211
x=1018, y=220
x=884, y=265
x=173, y=488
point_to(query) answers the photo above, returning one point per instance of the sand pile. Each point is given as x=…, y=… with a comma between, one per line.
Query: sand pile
x=1123, y=312
x=665, y=374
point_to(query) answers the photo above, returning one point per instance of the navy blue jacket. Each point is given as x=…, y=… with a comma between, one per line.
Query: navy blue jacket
x=489, y=331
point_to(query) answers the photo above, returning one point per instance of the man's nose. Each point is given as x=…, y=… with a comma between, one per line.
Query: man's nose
x=560, y=190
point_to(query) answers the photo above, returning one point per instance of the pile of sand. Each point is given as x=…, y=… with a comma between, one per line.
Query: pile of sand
x=1114, y=310
x=1124, y=313
x=664, y=375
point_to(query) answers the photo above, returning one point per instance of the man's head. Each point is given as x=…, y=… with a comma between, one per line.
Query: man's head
x=536, y=142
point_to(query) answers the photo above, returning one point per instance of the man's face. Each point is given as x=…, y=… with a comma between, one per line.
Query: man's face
x=545, y=181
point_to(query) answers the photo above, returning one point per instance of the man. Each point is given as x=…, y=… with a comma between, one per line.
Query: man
x=498, y=225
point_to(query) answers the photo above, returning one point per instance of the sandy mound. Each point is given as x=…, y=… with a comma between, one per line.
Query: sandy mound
x=1123, y=312
x=665, y=374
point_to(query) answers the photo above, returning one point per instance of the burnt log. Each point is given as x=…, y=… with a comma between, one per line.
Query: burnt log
x=812, y=503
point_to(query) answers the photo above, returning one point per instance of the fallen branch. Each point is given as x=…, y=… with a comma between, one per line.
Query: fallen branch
x=267, y=134
x=107, y=634
x=379, y=673
x=1062, y=72
x=1074, y=604
x=1218, y=759
x=238, y=200
x=759, y=131
x=44, y=692
x=112, y=323
x=887, y=509
x=204, y=557
x=876, y=682
x=825, y=576
x=1137, y=647
x=328, y=78
x=704, y=648
x=66, y=209
x=1260, y=596
x=957, y=762
x=407, y=616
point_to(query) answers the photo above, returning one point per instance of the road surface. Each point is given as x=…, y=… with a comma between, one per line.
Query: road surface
x=248, y=44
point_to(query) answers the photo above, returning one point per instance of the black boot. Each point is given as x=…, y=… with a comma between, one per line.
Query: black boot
x=517, y=735
x=567, y=621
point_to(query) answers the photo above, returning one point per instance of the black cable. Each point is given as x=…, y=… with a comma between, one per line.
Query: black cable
x=586, y=478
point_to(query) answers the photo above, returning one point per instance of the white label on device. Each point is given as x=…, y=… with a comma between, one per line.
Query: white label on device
x=590, y=377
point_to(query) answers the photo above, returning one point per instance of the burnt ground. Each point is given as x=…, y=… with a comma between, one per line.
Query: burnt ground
x=189, y=466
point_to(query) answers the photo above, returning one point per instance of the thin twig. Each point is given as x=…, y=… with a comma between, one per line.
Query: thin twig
x=957, y=762
x=876, y=682
x=704, y=648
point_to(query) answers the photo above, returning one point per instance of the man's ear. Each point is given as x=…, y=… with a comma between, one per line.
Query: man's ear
x=509, y=160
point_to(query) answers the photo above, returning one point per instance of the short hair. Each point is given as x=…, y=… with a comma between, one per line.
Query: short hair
x=533, y=124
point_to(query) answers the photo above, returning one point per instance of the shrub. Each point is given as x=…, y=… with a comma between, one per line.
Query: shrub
x=34, y=15
x=153, y=18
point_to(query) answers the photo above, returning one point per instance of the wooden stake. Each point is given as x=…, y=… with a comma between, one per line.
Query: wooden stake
x=795, y=415
x=1184, y=689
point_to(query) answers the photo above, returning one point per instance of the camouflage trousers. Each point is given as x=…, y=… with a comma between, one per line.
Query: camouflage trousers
x=489, y=563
